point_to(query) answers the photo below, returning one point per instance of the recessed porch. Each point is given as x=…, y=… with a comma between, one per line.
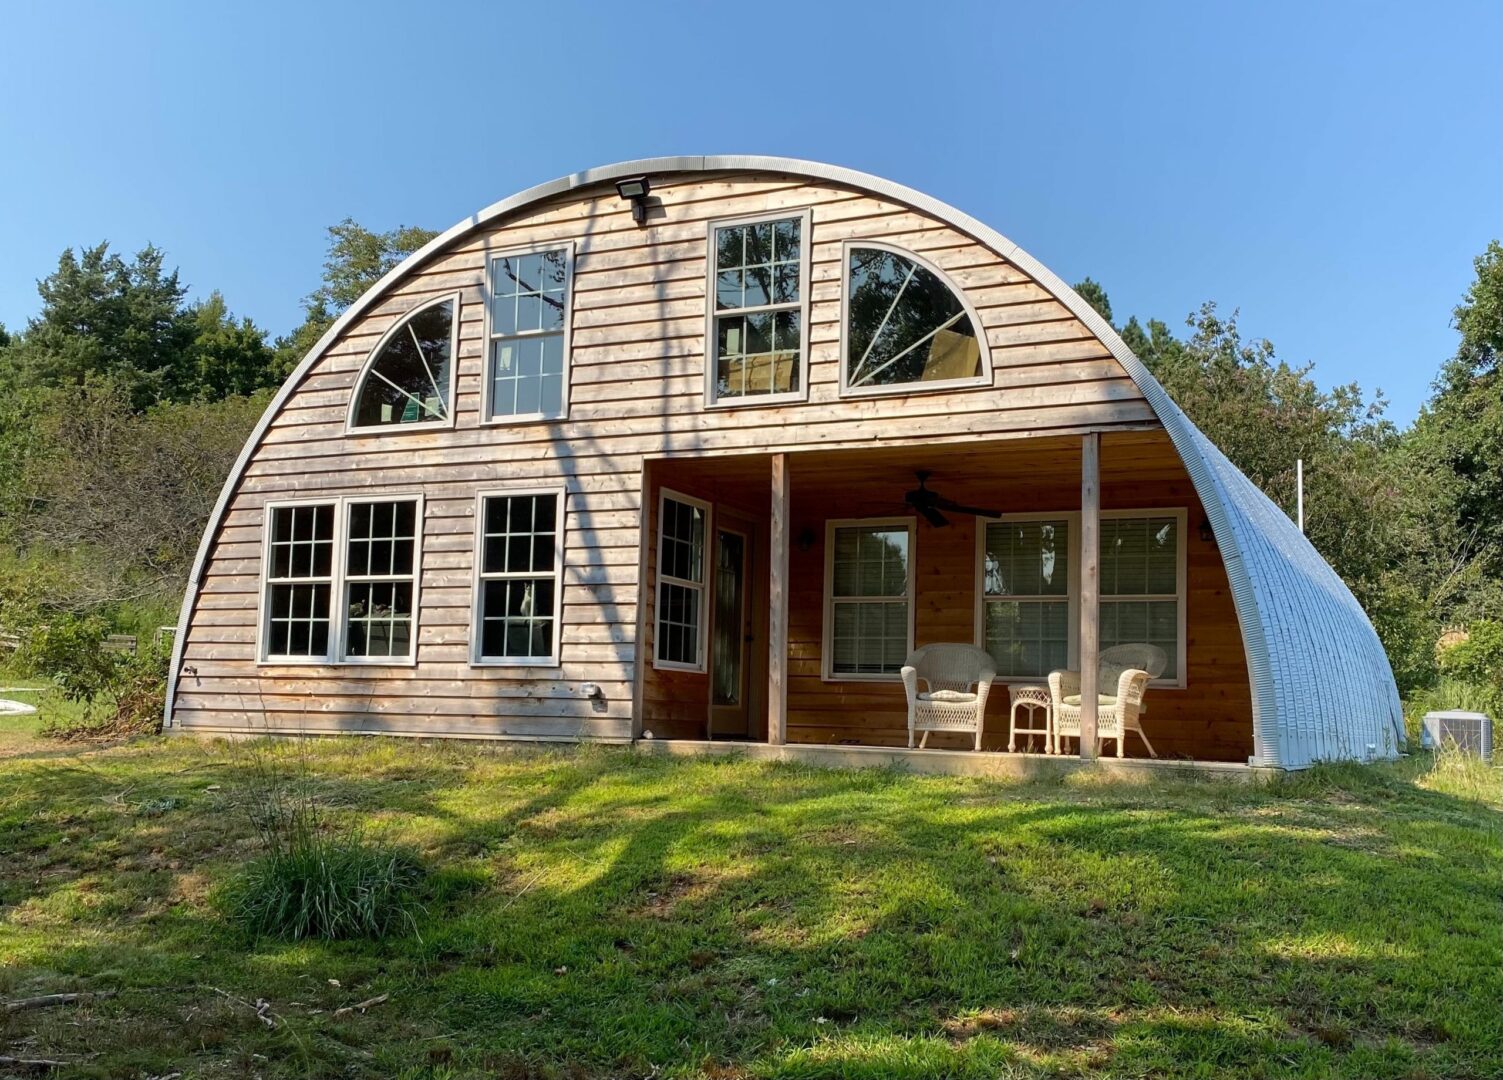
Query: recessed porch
x=773, y=526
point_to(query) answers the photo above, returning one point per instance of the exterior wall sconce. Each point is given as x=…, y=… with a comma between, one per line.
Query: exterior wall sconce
x=1206, y=534
x=635, y=189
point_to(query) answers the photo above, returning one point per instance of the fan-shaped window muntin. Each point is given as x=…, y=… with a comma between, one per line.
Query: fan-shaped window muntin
x=408, y=380
x=906, y=324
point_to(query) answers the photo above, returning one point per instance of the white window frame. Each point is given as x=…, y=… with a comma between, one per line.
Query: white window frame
x=805, y=217
x=827, y=644
x=479, y=577
x=983, y=379
x=1180, y=582
x=1073, y=594
x=352, y=428
x=702, y=647
x=490, y=337
x=337, y=579
x=1071, y=598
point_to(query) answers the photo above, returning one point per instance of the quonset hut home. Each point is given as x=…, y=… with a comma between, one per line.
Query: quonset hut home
x=702, y=449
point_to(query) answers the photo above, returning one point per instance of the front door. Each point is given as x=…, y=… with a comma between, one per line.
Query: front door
x=730, y=635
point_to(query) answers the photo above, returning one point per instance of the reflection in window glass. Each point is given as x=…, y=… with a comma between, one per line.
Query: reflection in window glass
x=869, y=600
x=758, y=308
x=1140, y=584
x=1025, y=575
x=300, y=574
x=529, y=307
x=681, y=583
x=379, y=574
x=519, y=553
x=905, y=325
x=408, y=381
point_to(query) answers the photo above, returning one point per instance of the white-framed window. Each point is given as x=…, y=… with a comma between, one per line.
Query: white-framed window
x=1027, y=573
x=682, y=623
x=527, y=334
x=906, y=325
x=380, y=579
x=366, y=552
x=519, y=567
x=299, y=581
x=1028, y=613
x=407, y=381
x=757, y=317
x=1143, y=584
x=869, y=584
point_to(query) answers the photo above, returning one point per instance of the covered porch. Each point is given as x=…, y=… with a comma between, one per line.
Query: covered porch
x=776, y=629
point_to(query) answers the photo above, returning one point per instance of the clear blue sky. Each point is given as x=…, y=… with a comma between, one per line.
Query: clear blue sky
x=1329, y=168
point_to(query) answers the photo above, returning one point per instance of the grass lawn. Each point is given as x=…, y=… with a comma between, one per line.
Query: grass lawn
x=597, y=913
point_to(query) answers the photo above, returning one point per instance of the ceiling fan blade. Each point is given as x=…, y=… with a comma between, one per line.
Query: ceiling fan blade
x=960, y=508
x=933, y=516
x=975, y=511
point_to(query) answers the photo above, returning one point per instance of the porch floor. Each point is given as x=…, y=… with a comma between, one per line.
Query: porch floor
x=987, y=763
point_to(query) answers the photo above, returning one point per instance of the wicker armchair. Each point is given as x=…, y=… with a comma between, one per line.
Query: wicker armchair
x=958, y=678
x=1125, y=673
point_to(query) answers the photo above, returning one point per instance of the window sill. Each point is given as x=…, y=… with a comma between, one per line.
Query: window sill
x=525, y=418
x=322, y=661
x=902, y=389
x=548, y=662
x=757, y=401
x=401, y=429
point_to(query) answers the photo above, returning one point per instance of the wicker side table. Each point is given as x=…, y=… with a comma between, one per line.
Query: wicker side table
x=1034, y=699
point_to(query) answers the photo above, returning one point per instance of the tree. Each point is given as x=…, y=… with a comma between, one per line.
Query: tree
x=1455, y=448
x=226, y=357
x=102, y=316
x=1092, y=293
x=127, y=322
x=357, y=259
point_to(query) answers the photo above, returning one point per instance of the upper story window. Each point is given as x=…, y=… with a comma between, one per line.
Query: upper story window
x=757, y=332
x=408, y=379
x=528, y=366
x=906, y=325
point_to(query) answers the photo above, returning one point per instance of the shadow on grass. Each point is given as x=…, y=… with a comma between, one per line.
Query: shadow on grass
x=614, y=913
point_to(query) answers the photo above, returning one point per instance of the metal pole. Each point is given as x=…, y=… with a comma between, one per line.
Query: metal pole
x=1299, y=495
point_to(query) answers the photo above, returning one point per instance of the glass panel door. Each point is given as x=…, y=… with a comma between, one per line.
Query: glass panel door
x=728, y=647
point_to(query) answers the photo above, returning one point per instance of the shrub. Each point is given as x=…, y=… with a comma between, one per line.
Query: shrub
x=1477, y=658
x=329, y=887
x=315, y=879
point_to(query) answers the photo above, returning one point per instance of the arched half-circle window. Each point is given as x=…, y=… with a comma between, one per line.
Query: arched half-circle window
x=408, y=379
x=906, y=325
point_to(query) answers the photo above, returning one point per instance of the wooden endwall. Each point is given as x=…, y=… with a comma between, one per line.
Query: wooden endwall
x=636, y=392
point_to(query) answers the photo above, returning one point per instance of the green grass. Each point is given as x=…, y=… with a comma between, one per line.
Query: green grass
x=601, y=913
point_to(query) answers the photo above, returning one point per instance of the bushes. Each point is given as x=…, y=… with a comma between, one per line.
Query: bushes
x=123, y=694
x=315, y=879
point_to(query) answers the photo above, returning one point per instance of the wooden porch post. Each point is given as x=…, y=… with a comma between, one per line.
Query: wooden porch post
x=1090, y=590
x=777, y=607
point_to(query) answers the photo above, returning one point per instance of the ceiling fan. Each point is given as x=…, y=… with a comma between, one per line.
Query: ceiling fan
x=930, y=503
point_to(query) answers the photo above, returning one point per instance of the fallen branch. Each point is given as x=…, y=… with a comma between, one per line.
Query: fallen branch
x=47, y=1000
x=262, y=1007
x=362, y=1006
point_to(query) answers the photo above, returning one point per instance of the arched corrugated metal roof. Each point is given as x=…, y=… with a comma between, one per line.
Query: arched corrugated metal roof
x=1322, y=687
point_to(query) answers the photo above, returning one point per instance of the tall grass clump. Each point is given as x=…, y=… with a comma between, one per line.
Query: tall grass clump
x=315, y=878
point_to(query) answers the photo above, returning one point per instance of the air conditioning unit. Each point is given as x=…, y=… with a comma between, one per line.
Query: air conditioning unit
x=1472, y=732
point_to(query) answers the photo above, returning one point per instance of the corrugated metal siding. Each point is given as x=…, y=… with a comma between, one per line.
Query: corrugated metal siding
x=1323, y=686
